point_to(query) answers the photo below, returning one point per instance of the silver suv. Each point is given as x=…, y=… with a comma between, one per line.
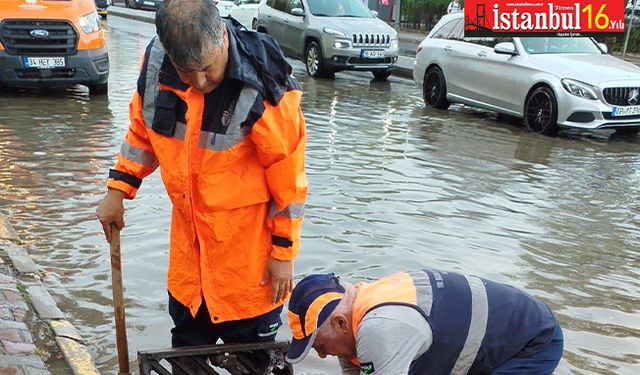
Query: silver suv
x=331, y=35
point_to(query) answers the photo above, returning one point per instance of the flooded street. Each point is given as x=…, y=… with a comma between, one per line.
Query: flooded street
x=392, y=186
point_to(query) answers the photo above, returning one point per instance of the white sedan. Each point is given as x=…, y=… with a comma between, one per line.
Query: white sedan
x=224, y=7
x=551, y=83
x=246, y=12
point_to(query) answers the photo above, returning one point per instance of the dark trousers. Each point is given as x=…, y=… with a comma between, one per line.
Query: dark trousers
x=542, y=363
x=190, y=331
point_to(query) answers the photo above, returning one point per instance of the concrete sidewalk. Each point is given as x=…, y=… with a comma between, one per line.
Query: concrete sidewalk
x=35, y=338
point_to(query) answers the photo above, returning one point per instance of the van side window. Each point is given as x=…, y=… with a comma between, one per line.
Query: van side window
x=271, y=3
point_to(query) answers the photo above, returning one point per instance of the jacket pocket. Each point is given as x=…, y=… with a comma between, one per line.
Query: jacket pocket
x=169, y=110
x=268, y=325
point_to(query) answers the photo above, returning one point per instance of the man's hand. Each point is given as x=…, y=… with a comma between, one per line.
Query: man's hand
x=111, y=210
x=281, y=273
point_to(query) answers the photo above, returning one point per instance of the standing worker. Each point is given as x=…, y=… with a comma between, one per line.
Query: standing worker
x=453, y=7
x=216, y=108
x=424, y=323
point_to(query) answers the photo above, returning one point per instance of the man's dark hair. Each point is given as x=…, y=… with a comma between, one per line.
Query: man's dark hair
x=188, y=29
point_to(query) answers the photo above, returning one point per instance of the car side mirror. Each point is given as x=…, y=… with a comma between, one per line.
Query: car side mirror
x=374, y=12
x=297, y=12
x=603, y=47
x=505, y=48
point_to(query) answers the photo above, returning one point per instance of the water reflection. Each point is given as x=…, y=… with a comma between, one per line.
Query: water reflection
x=392, y=186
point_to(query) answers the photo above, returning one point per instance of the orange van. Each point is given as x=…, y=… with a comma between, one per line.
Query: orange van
x=52, y=43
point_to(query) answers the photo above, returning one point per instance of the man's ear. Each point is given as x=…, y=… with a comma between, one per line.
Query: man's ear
x=339, y=323
x=225, y=38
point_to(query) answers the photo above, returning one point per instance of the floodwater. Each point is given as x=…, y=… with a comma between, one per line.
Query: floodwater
x=392, y=187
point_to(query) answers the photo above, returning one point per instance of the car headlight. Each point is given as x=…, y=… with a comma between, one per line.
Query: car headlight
x=340, y=44
x=394, y=44
x=334, y=32
x=90, y=23
x=580, y=89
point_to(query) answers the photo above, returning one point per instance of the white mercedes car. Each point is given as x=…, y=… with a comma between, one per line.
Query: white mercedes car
x=246, y=12
x=551, y=83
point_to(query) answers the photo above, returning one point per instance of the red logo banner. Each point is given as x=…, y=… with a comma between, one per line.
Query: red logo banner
x=489, y=18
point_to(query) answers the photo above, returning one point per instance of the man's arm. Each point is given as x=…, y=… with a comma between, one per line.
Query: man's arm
x=390, y=338
x=136, y=160
x=280, y=138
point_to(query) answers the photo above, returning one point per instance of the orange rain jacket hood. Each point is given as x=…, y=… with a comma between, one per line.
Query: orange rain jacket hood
x=232, y=162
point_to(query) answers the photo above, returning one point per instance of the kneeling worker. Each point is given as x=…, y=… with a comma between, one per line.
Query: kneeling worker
x=424, y=323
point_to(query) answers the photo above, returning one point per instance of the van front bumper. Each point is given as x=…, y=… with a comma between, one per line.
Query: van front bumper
x=84, y=67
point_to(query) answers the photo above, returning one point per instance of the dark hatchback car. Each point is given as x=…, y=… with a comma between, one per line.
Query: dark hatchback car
x=102, y=6
x=143, y=4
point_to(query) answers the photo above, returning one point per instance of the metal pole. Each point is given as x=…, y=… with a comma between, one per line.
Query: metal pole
x=118, y=302
x=626, y=38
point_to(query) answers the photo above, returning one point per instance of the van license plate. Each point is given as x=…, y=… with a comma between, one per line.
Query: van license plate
x=43, y=62
x=371, y=54
x=625, y=111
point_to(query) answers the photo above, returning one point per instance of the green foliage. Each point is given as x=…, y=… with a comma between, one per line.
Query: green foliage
x=417, y=13
x=633, y=45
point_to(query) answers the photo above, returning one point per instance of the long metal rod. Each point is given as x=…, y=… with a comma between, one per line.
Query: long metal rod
x=626, y=38
x=118, y=302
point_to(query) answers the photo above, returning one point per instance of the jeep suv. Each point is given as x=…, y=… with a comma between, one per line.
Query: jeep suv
x=52, y=43
x=331, y=35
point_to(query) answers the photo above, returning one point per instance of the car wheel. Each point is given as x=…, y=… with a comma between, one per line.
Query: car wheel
x=99, y=89
x=313, y=60
x=435, y=89
x=628, y=130
x=381, y=74
x=541, y=111
x=254, y=24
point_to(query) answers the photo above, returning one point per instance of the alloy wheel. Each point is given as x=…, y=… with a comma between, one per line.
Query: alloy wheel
x=312, y=60
x=539, y=112
x=432, y=88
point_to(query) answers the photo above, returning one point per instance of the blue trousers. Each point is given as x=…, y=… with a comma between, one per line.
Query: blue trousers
x=190, y=331
x=541, y=363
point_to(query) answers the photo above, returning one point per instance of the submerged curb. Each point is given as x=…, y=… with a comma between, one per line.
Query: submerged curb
x=22, y=293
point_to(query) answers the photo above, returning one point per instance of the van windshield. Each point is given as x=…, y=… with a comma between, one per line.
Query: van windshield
x=339, y=8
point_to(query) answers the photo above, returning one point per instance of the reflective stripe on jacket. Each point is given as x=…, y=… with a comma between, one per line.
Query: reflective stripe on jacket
x=232, y=163
x=477, y=324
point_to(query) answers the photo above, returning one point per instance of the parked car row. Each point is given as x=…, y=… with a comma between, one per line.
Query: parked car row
x=549, y=82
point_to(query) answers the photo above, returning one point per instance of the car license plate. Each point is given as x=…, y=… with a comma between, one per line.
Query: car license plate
x=43, y=62
x=371, y=53
x=625, y=111
x=149, y=3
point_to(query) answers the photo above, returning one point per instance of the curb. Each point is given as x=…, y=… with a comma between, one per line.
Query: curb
x=43, y=305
